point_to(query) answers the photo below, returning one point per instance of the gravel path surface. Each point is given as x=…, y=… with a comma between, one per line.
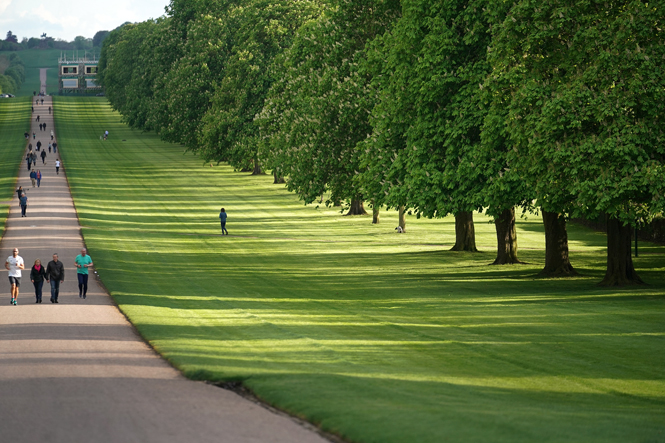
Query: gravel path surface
x=76, y=371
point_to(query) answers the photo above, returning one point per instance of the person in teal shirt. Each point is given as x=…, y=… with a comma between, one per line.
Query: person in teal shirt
x=83, y=262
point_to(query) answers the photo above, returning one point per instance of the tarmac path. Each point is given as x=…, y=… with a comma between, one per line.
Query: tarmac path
x=77, y=371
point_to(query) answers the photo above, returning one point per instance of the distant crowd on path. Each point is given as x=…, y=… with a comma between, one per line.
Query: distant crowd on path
x=54, y=274
x=31, y=160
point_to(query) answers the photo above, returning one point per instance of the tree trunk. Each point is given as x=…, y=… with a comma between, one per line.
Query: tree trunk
x=278, y=178
x=620, y=270
x=465, y=233
x=402, y=219
x=557, y=263
x=375, y=215
x=257, y=168
x=357, y=208
x=506, y=235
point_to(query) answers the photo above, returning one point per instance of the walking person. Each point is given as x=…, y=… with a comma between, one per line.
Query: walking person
x=39, y=145
x=42, y=101
x=49, y=109
x=83, y=262
x=14, y=264
x=33, y=177
x=51, y=134
x=34, y=136
x=57, y=167
x=222, y=219
x=37, y=277
x=49, y=148
x=39, y=177
x=55, y=274
x=33, y=158
x=28, y=157
x=44, y=126
x=38, y=119
x=24, y=205
x=43, y=154
x=20, y=191
x=55, y=147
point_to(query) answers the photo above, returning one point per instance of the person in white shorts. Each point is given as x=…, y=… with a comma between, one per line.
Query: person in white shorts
x=14, y=264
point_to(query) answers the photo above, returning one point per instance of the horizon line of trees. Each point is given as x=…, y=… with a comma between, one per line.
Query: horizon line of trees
x=435, y=108
x=12, y=43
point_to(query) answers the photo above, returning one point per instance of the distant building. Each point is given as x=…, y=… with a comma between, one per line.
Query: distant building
x=77, y=74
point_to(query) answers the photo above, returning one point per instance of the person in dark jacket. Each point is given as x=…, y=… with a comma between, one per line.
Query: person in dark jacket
x=222, y=219
x=43, y=155
x=33, y=177
x=37, y=277
x=55, y=274
x=24, y=205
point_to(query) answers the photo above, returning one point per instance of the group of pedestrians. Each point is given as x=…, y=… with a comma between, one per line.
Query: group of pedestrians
x=31, y=159
x=53, y=273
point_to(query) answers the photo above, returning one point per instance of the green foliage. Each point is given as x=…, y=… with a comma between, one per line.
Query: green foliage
x=99, y=37
x=426, y=151
x=318, y=109
x=260, y=30
x=7, y=84
x=582, y=88
x=17, y=72
x=133, y=60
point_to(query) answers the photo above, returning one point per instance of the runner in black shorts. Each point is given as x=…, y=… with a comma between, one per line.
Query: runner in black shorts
x=14, y=264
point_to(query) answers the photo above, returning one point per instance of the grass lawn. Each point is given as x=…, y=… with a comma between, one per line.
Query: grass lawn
x=376, y=336
x=14, y=121
x=34, y=59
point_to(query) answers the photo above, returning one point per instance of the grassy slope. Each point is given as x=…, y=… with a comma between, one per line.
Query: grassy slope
x=33, y=60
x=14, y=121
x=377, y=336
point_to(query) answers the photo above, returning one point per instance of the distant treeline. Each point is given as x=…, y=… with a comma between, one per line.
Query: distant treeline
x=11, y=42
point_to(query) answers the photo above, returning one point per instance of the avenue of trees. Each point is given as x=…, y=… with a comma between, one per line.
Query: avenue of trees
x=434, y=108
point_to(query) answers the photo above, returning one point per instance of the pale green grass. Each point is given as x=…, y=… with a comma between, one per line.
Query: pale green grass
x=14, y=121
x=376, y=336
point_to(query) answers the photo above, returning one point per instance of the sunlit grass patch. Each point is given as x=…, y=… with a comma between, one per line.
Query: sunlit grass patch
x=377, y=336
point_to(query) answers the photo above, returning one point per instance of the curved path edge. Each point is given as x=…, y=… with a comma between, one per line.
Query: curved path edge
x=77, y=371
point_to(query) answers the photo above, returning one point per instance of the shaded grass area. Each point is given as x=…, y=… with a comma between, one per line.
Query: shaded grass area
x=34, y=59
x=376, y=336
x=14, y=121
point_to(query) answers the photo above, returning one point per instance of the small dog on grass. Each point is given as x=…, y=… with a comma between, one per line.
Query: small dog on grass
x=399, y=230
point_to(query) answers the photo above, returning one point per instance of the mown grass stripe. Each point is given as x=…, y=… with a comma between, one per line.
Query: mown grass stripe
x=377, y=336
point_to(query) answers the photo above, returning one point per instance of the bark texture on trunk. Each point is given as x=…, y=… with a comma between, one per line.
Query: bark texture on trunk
x=357, y=208
x=257, y=168
x=278, y=179
x=465, y=232
x=402, y=219
x=375, y=215
x=557, y=262
x=506, y=235
x=620, y=270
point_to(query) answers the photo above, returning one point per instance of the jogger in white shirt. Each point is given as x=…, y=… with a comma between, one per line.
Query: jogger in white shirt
x=14, y=264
